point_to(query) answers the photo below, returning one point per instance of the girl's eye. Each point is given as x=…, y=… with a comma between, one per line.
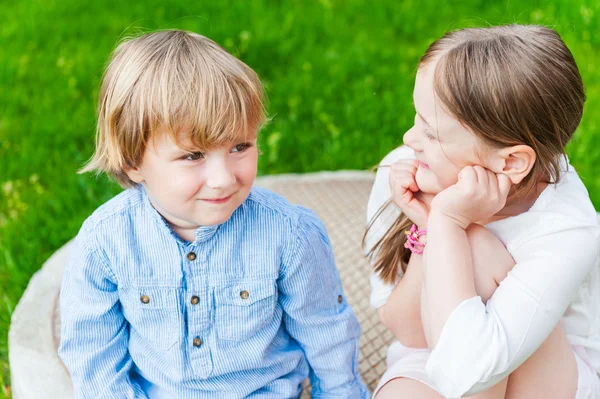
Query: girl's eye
x=429, y=136
x=194, y=156
x=241, y=147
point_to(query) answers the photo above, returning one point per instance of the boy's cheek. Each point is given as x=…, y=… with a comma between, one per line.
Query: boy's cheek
x=248, y=169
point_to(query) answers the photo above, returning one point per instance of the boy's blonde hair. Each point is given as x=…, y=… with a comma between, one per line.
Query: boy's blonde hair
x=172, y=81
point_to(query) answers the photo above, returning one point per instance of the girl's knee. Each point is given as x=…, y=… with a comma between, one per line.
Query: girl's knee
x=550, y=372
x=406, y=388
x=491, y=260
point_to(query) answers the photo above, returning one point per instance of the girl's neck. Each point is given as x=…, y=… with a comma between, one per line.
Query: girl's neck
x=518, y=205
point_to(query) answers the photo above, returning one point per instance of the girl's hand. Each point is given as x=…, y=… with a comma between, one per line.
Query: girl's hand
x=405, y=192
x=478, y=195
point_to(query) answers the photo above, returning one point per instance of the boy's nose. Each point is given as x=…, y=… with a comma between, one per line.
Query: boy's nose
x=220, y=176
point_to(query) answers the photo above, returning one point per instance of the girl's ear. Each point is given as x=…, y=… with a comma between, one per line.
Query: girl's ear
x=515, y=162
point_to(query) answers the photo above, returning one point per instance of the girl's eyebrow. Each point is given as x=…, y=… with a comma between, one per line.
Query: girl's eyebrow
x=423, y=118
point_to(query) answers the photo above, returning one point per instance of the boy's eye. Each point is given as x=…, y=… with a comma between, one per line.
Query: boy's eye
x=194, y=156
x=241, y=147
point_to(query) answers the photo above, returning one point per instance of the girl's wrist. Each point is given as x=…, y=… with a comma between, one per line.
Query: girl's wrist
x=438, y=216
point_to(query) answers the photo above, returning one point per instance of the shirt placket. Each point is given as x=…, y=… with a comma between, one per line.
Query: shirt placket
x=199, y=305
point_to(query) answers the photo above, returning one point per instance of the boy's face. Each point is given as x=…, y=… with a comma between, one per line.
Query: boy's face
x=196, y=189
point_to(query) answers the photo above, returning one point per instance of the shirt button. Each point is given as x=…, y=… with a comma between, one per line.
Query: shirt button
x=197, y=341
x=145, y=299
x=195, y=300
x=191, y=256
x=340, y=299
x=244, y=294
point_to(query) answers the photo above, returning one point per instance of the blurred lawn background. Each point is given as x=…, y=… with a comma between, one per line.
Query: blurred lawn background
x=338, y=74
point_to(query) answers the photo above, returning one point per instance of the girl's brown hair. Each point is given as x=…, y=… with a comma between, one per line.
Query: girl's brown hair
x=509, y=85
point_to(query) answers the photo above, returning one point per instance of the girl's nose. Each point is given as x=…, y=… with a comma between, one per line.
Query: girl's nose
x=411, y=139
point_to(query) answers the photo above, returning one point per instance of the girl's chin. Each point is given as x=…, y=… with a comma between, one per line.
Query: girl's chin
x=426, y=185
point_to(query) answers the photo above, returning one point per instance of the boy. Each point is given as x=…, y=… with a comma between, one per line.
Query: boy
x=191, y=283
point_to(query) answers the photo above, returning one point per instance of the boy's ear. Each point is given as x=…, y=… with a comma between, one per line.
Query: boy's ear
x=515, y=162
x=135, y=175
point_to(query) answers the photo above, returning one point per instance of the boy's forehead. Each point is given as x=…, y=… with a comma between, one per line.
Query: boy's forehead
x=187, y=140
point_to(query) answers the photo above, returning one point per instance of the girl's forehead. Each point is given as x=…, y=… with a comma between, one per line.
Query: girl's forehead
x=432, y=111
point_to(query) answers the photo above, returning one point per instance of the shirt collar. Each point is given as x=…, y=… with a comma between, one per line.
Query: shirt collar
x=203, y=233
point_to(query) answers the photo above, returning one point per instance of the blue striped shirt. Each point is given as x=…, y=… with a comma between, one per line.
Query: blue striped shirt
x=249, y=309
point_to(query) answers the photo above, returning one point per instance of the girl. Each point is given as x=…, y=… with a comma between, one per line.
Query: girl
x=510, y=309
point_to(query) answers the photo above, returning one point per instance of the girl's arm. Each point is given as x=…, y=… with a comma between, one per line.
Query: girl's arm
x=478, y=195
x=476, y=345
x=447, y=286
x=401, y=314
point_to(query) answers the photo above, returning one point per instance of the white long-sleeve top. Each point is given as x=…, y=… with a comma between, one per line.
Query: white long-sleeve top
x=555, y=245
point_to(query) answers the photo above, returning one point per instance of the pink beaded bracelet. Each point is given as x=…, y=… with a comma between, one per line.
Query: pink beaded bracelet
x=412, y=240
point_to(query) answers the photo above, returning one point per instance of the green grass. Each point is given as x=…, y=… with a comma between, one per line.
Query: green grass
x=338, y=74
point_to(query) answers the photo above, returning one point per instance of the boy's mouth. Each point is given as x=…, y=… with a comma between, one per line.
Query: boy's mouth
x=217, y=200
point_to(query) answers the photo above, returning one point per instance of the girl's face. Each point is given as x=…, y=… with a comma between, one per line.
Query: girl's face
x=200, y=188
x=442, y=145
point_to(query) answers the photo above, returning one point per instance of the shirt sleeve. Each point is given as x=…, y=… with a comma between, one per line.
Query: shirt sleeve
x=316, y=313
x=482, y=344
x=94, y=332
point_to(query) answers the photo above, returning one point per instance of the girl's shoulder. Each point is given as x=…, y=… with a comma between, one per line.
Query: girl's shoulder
x=561, y=208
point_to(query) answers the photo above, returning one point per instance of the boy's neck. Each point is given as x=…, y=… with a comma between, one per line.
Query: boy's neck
x=185, y=234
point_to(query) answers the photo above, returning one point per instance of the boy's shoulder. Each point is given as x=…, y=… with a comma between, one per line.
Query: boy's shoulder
x=118, y=207
x=262, y=200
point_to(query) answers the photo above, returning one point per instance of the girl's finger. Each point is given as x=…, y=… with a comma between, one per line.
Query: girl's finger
x=407, y=182
x=482, y=176
x=412, y=185
x=467, y=179
x=504, y=184
x=413, y=162
x=406, y=176
x=468, y=174
x=492, y=188
x=400, y=176
x=398, y=166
